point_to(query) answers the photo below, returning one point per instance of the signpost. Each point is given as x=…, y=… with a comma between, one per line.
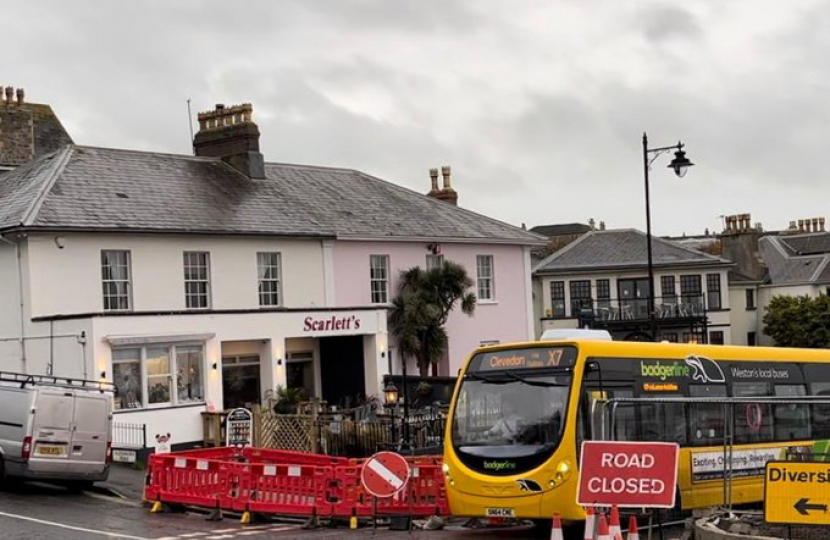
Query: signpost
x=384, y=474
x=239, y=428
x=797, y=492
x=628, y=474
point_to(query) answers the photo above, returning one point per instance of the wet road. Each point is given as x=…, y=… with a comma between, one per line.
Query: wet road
x=37, y=511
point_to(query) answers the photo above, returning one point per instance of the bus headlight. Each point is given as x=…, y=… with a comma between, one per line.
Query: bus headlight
x=446, y=469
x=563, y=470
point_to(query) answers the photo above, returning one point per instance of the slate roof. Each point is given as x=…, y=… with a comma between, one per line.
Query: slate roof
x=102, y=189
x=617, y=249
x=808, y=244
x=787, y=266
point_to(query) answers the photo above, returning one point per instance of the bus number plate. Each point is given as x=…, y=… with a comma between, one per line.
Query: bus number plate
x=49, y=450
x=501, y=512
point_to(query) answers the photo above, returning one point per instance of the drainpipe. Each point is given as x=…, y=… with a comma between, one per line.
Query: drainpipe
x=20, y=292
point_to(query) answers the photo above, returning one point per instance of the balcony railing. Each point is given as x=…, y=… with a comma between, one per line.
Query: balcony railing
x=666, y=308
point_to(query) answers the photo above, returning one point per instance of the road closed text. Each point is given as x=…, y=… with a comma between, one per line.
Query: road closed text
x=609, y=483
x=628, y=474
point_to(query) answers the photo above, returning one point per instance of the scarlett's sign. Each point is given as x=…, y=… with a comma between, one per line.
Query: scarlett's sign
x=344, y=322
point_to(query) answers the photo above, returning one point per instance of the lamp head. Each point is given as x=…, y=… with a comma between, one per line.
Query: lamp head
x=390, y=392
x=680, y=163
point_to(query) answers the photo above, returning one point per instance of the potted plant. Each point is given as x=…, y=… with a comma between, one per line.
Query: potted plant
x=424, y=389
x=287, y=399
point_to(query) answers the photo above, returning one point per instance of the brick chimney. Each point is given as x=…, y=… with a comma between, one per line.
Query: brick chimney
x=230, y=133
x=447, y=193
x=17, y=130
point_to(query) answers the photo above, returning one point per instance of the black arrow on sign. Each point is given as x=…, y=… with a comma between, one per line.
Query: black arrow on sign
x=802, y=506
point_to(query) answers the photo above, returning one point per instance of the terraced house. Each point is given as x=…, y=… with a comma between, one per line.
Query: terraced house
x=209, y=280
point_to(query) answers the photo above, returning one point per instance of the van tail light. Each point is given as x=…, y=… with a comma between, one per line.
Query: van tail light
x=26, y=449
x=109, y=452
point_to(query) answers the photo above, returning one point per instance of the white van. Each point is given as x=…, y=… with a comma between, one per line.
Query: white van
x=54, y=428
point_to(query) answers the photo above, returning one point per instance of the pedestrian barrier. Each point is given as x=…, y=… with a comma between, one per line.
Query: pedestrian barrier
x=190, y=481
x=266, y=481
x=424, y=495
x=289, y=489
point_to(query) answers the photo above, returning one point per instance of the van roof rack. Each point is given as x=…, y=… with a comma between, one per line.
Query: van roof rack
x=29, y=379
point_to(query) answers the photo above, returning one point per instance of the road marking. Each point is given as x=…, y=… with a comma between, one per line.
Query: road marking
x=73, y=528
x=116, y=500
x=219, y=536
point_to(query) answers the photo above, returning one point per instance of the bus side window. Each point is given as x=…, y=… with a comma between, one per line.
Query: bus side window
x=753, y=421
x=792, y=421
x=706, y=419
x=663, y=422
x=821, y=411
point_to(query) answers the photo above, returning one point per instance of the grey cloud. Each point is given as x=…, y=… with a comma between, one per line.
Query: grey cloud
x=668, y=21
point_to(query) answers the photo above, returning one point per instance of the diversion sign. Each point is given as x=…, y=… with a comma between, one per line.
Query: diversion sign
x=797, y=492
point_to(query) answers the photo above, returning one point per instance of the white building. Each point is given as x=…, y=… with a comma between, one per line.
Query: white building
x=601, y=280
x=206, y=282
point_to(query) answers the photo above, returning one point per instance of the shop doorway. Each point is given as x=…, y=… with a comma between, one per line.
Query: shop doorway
x=342, y=371
x=299, y=372
x=240, y=381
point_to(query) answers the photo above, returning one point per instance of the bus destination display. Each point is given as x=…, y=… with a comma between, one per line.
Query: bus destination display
x=529, y=358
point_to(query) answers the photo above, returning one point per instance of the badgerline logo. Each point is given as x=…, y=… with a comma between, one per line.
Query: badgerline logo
x=499, y=465
x=664, y=370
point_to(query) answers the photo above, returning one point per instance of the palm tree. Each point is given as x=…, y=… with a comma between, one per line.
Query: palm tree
x=420, y=310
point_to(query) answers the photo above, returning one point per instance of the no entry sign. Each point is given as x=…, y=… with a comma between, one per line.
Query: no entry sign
x=640, y=474
x=384, y=474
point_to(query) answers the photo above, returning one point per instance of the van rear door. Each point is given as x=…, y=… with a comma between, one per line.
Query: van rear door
x=88, y=451
x=51, y=430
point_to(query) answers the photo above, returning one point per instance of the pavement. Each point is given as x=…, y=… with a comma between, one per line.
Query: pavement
x=125, y=480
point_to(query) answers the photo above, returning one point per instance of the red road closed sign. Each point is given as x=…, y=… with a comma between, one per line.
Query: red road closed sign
x=642, y=474
x=384, y=474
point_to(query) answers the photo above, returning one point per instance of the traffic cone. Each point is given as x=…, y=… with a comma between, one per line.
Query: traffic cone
x=556, y=528
x=614, y=529
x=632, y=528
x=589, y=524
x=602, y=528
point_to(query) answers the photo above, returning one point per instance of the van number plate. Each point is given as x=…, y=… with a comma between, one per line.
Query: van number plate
x=501, y=512
x=50, y=450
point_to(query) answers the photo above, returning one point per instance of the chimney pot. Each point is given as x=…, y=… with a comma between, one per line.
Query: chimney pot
x=220, y=106
x=602, y=225
x=20, y=95
x=433, y=175
x=9, y=94
x=445, y=172
x=821, y=223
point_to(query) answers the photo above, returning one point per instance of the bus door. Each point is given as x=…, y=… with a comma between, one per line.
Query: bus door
x=591, y=415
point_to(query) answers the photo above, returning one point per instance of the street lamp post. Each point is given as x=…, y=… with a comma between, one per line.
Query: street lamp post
x=679, y=164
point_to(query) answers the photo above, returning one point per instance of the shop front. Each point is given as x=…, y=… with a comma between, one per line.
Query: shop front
x=166, y=377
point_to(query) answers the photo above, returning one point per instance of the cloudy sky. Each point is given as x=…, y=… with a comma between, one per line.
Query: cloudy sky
x=538, y=106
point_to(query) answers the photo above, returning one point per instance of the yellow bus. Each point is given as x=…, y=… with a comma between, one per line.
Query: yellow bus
x=520, y=412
